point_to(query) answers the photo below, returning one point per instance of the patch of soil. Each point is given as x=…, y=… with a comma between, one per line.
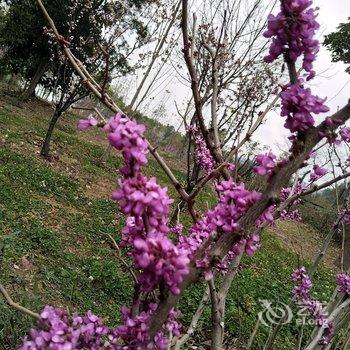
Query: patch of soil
x=101, y=189
x=304, y=241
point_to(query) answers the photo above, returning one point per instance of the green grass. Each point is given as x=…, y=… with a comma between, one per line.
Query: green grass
x=54, y=247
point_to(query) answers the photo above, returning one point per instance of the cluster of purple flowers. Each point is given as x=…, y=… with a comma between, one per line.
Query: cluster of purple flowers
x=317, y=172
x=285, y=194
x=303, y=283
x=234, y=201
x=292, y=32
x=248, y=245
x=343, y=281
x=160, y=260
x=251, y=244
x=302, y=292
x=293, y=215
x=203, y=156
x=266, y=216
x=134, y=330
x=346, y=215
x=298, y=104
x=140, y=195
x=265, y=163
x=127, y=136
x=146, y=205
x=345, y=134
x=177, y=229
x=87, y=123
x=59, y=331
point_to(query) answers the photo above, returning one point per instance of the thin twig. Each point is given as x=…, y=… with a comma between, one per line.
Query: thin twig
x=120, y=257
x=16, y=306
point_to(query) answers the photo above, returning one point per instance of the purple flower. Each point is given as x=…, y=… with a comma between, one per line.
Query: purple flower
x=203, y=156
x=303, y=283
x=252, y=244
x=84, y=124
x=302, y=292
x=58, y=330
x=345, y=134
x=127, y=136
x=140, y=195
x=134, y=332
x=292, y=31
x=343, y=281
x=265, y=164
x=231, y=167
x=293, y=215
x=234, y=201
x=266, y=216
x=160, y=260
x=177, y=229
x=298, y=105
x=346, y=215
x=317, y=173
x=285, y=194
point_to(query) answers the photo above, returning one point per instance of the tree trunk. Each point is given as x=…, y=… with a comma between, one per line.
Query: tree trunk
x=30, y=91
x=45, y=149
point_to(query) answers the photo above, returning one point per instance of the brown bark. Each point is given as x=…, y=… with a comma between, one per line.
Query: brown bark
x=45, y=149
x=30, y=91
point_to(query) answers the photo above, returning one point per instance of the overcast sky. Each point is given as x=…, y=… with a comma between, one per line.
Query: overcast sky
x=331, y=81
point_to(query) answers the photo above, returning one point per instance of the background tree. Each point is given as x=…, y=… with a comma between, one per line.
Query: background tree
x=338, y=43
x=98, y=34
x=28, y=52
x=233, y=83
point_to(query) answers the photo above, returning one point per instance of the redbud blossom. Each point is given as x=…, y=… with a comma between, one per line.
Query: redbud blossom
x=298, y=105
x=343, y=281
x=302, y=293
x=160, y=260
x=128, y=136
x=292, y=32
x=84, y=124
x=265, y=164
x=345, y=134
x=317, y=173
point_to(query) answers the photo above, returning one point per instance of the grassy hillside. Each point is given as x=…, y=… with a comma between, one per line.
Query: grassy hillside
x=54, y=221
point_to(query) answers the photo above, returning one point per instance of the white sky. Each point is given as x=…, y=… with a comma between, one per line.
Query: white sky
x=332, y=81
